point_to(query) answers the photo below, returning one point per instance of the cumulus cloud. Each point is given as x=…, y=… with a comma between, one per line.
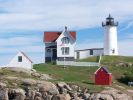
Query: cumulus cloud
x=43, y=15
x=19, y=41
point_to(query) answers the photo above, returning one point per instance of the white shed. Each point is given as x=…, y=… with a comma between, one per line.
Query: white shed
x=21, y=60
x=85, y=53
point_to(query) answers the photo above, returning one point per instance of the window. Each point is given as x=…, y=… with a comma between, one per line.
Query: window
x=65, y=40
x=91, y=52
x=65, y=50
x=19, y=58
x=113, y=51
x=48, y=50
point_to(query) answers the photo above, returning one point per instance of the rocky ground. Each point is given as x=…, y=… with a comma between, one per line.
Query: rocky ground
x=21, y=84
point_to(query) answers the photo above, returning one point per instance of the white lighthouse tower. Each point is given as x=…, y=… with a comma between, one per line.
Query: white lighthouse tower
x=110, y=36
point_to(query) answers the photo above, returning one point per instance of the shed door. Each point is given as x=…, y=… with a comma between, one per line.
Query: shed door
x=78, y=55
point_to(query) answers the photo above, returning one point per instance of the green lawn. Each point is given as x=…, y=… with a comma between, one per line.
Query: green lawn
x=84, y=76
x=116, y=59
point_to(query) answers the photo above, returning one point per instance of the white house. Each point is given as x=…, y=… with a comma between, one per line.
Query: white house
x=85, y=53
x=21, y=60
x=60, y=46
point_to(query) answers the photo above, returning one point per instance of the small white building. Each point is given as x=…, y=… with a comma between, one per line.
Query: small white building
x=21, y=60
x=85, y=53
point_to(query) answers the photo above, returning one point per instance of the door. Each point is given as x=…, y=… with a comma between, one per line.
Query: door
x=54, y=57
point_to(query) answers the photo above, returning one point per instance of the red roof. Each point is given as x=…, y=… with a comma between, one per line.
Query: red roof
x=52, y=36
x=103, y=68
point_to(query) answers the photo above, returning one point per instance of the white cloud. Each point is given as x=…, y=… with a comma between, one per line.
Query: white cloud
x=19, y=41
x=43, y=15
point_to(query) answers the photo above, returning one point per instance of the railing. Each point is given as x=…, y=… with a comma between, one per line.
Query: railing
x=72, y=63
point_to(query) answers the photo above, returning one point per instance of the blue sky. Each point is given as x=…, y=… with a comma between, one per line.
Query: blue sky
x=23, y=22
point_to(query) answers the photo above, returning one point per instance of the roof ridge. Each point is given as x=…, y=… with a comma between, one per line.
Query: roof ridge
x=26, y=56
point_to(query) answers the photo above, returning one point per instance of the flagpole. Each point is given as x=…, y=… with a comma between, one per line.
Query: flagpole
x=64, y=58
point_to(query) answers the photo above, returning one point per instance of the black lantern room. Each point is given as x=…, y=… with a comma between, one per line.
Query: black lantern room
x=109, y=22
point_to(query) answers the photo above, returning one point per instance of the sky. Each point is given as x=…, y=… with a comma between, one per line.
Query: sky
x=23, y=23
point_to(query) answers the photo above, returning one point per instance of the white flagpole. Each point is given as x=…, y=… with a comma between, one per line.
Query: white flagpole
x=64, y=58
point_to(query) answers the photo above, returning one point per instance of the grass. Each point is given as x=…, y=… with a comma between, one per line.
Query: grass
x=116, y=59
x=84, y=76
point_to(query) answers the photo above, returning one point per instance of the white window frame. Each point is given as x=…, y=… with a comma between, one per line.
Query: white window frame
x=65, y=50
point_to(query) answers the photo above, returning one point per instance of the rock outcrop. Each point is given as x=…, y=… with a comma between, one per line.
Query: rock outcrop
x=33, y=87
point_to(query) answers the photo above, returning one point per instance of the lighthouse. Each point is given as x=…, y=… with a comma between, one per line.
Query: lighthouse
x=110, y=36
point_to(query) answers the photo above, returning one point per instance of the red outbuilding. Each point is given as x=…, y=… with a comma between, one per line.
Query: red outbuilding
x=103, y=76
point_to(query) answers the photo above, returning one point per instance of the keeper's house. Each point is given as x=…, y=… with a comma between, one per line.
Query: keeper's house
x=60, y=46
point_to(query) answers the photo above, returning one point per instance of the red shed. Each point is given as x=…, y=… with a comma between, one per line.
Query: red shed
x=103, y=76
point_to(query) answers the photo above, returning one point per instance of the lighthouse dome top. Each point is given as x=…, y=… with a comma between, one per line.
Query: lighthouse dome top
x=109, y=21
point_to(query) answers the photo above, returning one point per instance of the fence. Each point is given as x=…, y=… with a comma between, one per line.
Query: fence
x=72, y=63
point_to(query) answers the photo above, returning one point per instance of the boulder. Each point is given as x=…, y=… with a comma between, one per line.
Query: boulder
x=38, y=98
x=3, y=94
x=2, y=85
x=29, y=82
x=30, y=94
x=75, y=87
x=86, y=96
x=35, y=74
x=117, y=94
x=100, y=96
x=49, y=87
x=61, y=97
x=61, y=84
x=45, y=77
x=64, y=85
x=12, y=78
x=16, y=94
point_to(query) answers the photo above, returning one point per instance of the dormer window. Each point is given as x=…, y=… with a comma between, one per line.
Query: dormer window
x=65, y=40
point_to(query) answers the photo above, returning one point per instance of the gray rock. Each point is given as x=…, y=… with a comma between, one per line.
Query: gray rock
x=49, y=87
x=86, y=96
x=29, y=82
x=61, y=97
x=61, y=84
x=16, y=94
x=45, y=77
x=2, y=85
x=38, y=94
x=3, y=94
x=12, y=78
x=38, y=98
x=75, y=87
x=35, y=74
x=64, y=85
x=100, y=96
x=116, y=94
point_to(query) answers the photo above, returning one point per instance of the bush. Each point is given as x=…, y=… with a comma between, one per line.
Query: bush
x=128, y=77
